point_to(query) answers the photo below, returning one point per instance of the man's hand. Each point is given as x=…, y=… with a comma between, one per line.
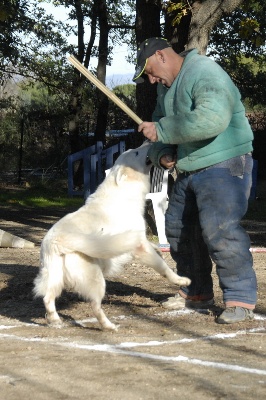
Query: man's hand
x=168, y=161
x=149, y=131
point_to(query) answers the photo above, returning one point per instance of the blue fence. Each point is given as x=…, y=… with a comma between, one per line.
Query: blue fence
x=95, y=161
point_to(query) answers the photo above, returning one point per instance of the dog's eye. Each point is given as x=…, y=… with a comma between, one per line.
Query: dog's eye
x=137, y=153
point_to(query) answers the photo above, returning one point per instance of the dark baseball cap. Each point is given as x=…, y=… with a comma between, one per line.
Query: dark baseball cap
x=145, y=50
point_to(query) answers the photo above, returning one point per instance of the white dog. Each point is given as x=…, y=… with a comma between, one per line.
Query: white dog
x=100, y=238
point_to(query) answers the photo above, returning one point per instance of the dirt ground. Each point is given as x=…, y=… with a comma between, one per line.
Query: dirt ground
x=156, y=354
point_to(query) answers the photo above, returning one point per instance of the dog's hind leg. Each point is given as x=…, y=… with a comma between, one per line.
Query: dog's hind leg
x=52, y=316
x=101, y=317
x=85, y=277
x=149, y=256
x=97, y=292
x=51, y=282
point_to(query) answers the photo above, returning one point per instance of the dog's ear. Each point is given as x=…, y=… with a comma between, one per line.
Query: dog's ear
x=121, y=175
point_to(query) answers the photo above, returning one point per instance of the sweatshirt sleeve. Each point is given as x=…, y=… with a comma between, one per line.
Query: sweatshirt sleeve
x=211, y=108
x=158, y=150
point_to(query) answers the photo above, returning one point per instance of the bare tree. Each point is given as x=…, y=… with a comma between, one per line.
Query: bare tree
x=205, y=15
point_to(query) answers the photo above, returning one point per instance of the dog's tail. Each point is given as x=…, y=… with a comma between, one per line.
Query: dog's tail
x=98, y=246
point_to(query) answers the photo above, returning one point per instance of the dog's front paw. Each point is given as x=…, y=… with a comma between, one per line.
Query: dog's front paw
x=179, y=280
x=110, y=327
x=55, y=323
x=182, y=281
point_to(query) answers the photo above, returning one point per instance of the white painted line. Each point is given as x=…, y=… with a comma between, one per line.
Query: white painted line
x=2, y=327
x=260, y=317
x=115, y=350
x=186, y=340
x=5, y=377
x=18, y=324
x=119, y=349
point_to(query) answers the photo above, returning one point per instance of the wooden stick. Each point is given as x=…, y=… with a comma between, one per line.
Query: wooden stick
x=104, y=89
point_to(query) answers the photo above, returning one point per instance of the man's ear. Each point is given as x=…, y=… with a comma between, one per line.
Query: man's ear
x=160, y=56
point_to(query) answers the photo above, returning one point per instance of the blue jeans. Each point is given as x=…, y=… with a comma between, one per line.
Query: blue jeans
x=203, y=225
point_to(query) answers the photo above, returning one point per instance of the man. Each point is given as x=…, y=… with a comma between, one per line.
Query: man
x=199, y=112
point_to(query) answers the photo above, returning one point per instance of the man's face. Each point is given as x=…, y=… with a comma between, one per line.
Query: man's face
x=157, y=70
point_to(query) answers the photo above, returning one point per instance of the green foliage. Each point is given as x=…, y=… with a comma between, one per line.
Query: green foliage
x=39, y=196
x=178, y=10
x=128, y=90
x=249, y=75
x=117, y=119
x=13, y=21
x=35, y=46
x=238, y=44
x=42, y=119
x=250, y=30
x=244, y=31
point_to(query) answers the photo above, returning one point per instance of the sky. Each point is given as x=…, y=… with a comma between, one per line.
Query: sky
x=120, y=71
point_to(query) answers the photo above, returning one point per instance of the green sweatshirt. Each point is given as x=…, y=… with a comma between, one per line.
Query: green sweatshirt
x=203, y=114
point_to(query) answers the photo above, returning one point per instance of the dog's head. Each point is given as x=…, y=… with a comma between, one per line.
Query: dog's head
x=136, y=158
x=132, y=168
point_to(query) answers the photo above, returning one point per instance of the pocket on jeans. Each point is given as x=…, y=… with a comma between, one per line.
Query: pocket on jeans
x=248, y=164
x=237, y=166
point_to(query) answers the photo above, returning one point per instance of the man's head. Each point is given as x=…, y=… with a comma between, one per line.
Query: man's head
x=157, y=61
x=145, y=50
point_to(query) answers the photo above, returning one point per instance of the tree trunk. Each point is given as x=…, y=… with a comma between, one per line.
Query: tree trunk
x=77, y=85
x=147, y=25
x=177, y=35
x=75, y=108
x=205, y=15
x=75, y=104
x=75, y=100
x=101, y=72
